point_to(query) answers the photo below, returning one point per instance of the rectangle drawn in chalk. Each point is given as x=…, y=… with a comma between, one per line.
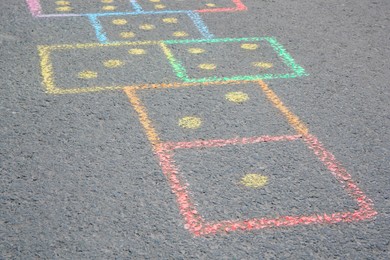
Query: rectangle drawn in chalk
x=197, y=5
x=93, y=67
x=228, y=59
x=184, y=114
x=239, y=191
x=148, y=27
x=78, y=7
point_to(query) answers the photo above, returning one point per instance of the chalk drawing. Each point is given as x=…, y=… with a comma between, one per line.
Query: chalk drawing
x=163, y=23
x=237, y=97
x=87, y=74
x=270, y=61
x=119, y=21
x=190, y=122
x=196, y=48
x=126, y=7
x=263, y=65
x=254, y=180
x=227, y=44
x=207, y=66
x=196, y=224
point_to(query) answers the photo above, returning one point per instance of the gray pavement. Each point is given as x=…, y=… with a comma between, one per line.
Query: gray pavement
x=80, y=171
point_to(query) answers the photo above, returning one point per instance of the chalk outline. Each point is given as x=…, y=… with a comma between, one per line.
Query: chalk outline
x=195, y=223
x=286, y=58
x=101, y=35
x=48, y=74
x=36, y=10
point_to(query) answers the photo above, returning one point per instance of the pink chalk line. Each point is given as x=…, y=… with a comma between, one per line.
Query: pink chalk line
x=35, y=7
x=224, y=142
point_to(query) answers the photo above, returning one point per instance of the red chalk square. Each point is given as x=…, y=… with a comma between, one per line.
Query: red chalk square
x=192, y=209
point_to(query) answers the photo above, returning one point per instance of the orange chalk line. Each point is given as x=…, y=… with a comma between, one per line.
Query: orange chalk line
x=326, y=157
x=150, y=131
x=293, y=120
x=187, y=209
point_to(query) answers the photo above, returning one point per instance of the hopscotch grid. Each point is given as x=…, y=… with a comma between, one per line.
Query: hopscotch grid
x=176, y=65
x=194, y=221
x=165, y=150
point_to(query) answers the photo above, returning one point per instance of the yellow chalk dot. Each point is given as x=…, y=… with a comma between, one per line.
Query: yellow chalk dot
x=108, y=7
x=113, y=63
x=147, y=27
x=127, y=34
x=210, y=5
x=137, y=51
x=196, y=50
x=159, y=6
x=249, y=46
x=87, y=74
x=154, y=1
x=207, y=66
x=263, y=65
x=170, y=20
x=190, y=122
x=64, y=9
x=107, y=1
x=237, y=97
x=62, y=2
x=180, y=34
x=254, y=180
x=119, y=21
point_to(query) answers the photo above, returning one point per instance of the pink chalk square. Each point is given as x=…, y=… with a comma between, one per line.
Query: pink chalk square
x=200, y=219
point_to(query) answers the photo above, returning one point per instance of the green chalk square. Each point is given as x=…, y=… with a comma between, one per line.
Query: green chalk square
x=285, y=57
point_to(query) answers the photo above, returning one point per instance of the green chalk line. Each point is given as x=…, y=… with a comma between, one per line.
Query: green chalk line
x=215, y=40
x=285, y=56
x=245, y=78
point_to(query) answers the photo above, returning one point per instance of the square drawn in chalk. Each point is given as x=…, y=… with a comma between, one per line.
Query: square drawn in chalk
x=191, y=5
x=231, y=59
x=212, y=112
x=74, y=7
x=268, y=179
x=93, y=67
x=245, y=184
x=148, y=27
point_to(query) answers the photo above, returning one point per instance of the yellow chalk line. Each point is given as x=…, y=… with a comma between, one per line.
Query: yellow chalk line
x=53, y=90
x=46, y=69
x=94, y=45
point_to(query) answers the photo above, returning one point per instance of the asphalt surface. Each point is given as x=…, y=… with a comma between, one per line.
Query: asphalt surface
x=81, y=180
